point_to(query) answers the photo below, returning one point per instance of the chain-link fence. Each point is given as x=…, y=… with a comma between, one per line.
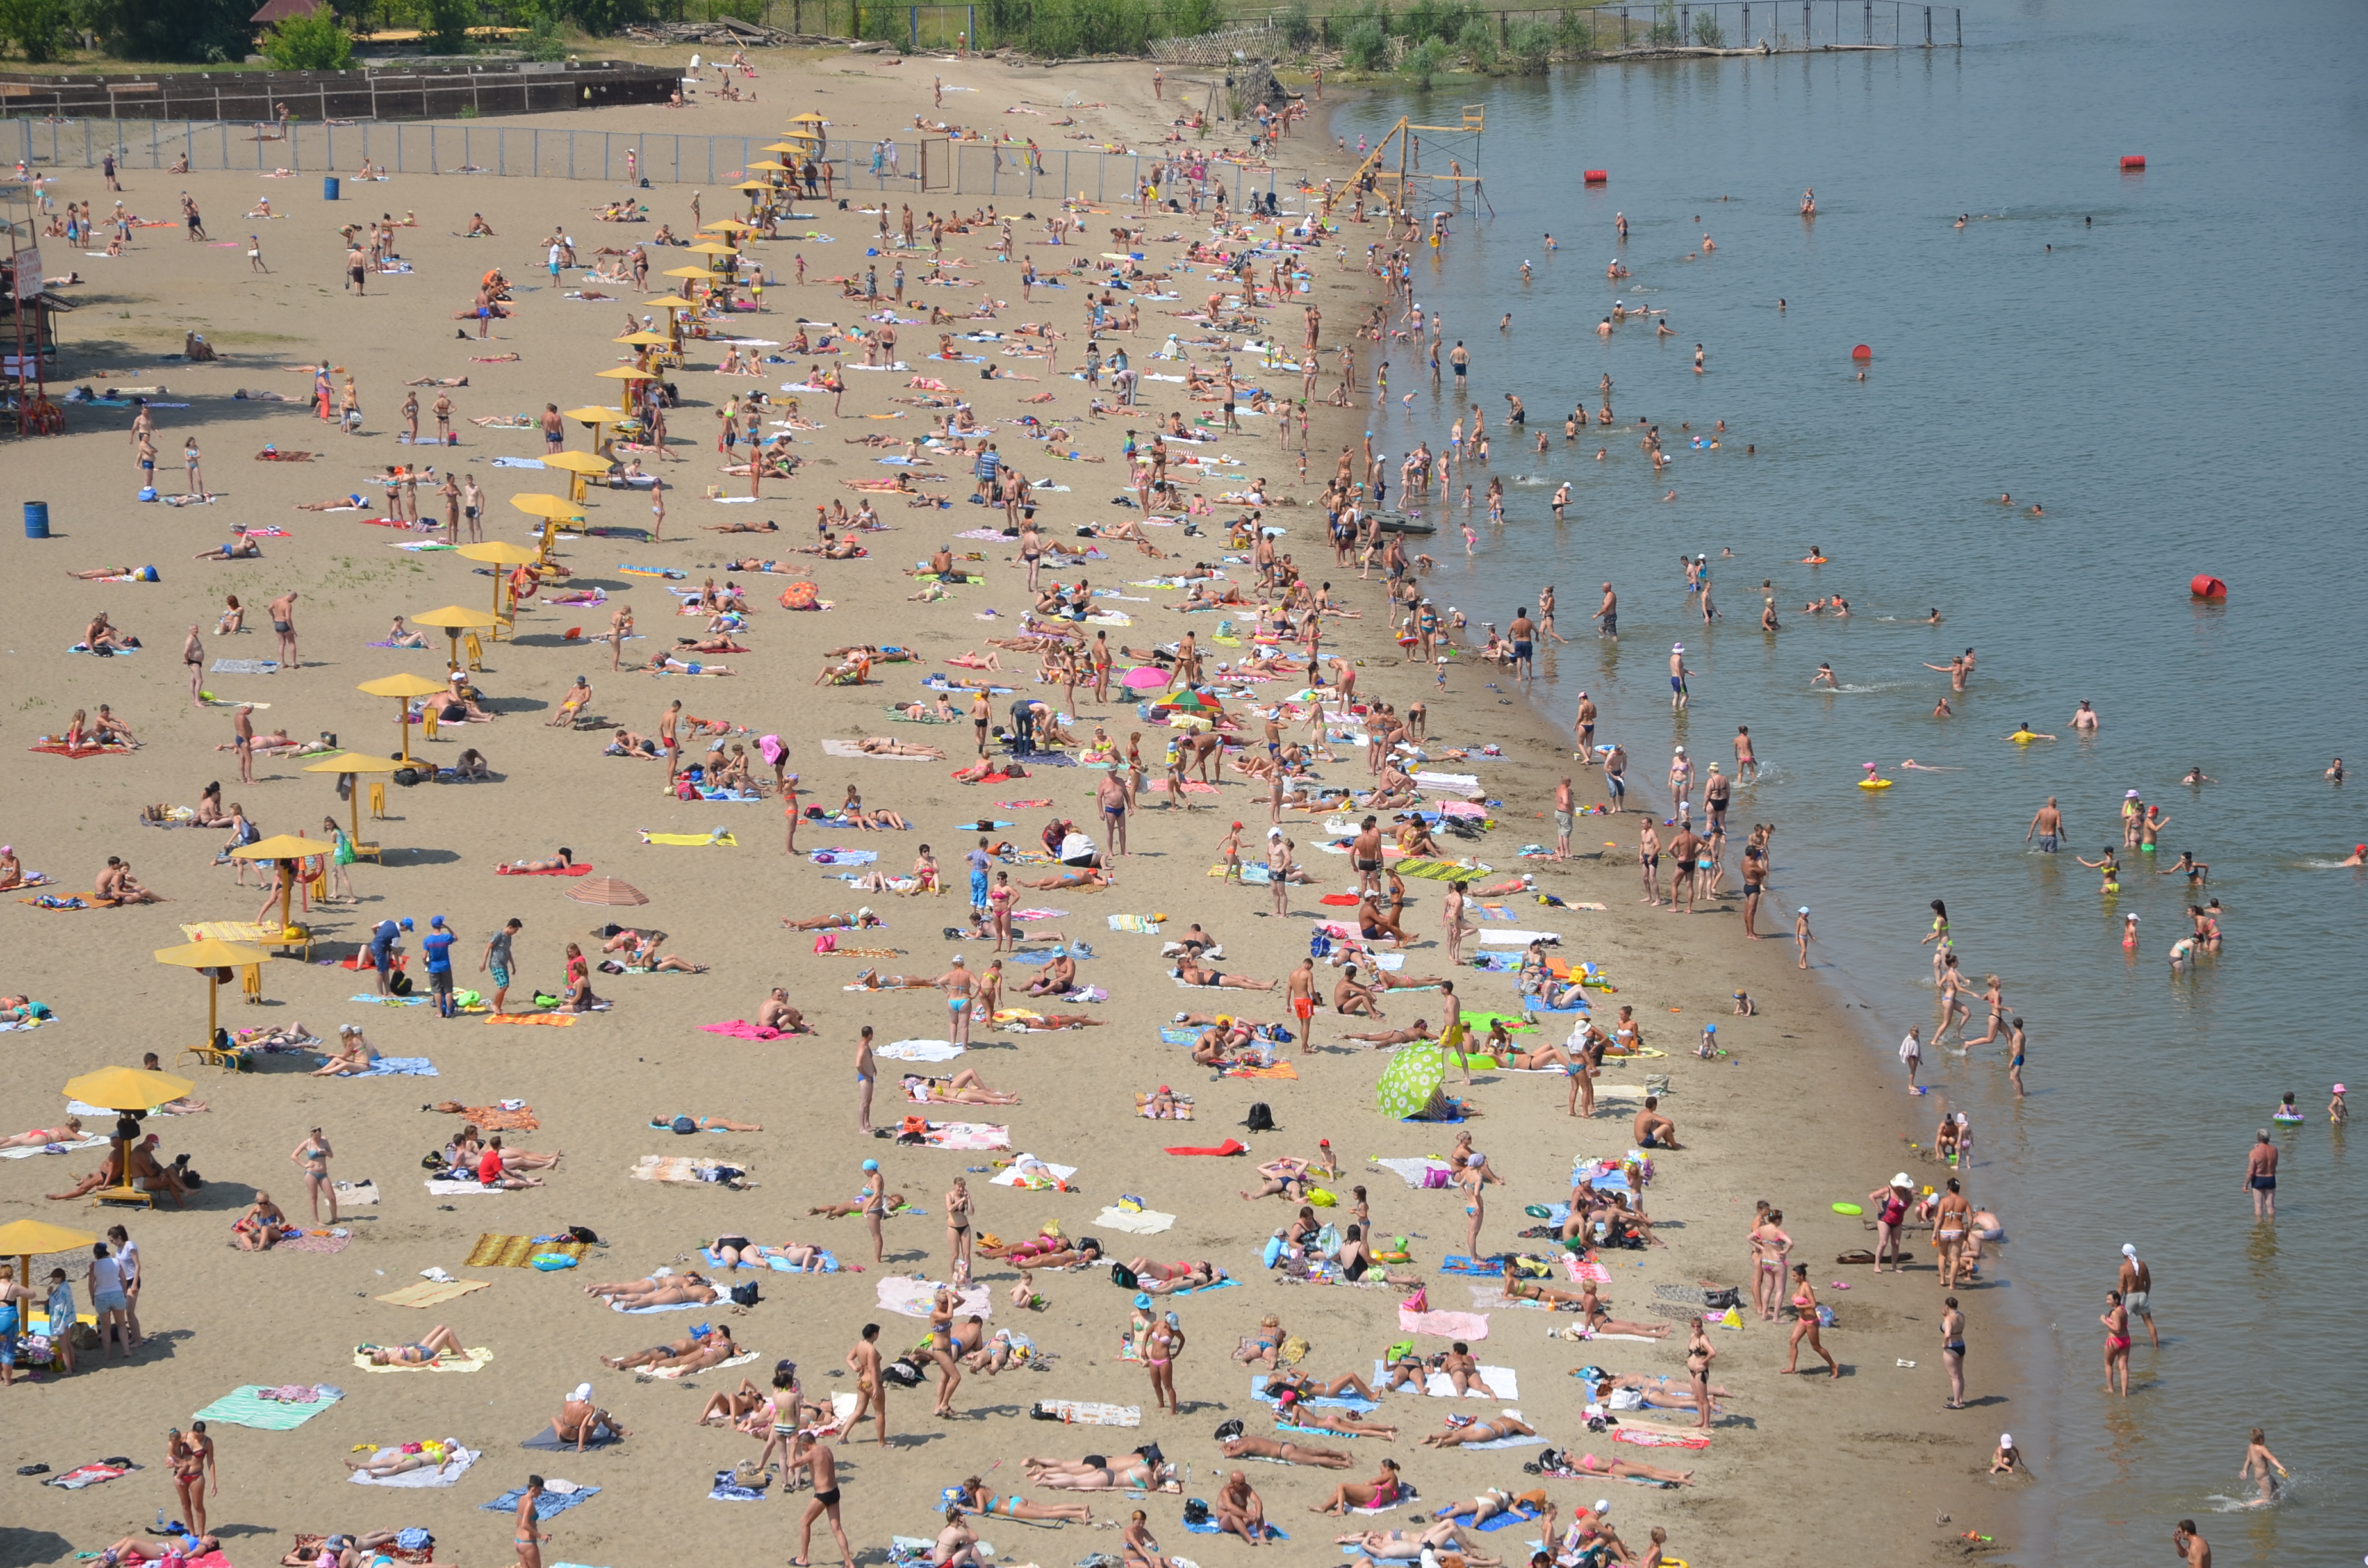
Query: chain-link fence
x=930, y=165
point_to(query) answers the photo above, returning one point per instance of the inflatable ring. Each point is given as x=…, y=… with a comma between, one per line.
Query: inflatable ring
x=1847, y=1209
x=1875, y=783
x=2287, y=1119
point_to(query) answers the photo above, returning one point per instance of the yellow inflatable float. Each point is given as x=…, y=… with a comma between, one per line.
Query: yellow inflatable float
x=1872, y=780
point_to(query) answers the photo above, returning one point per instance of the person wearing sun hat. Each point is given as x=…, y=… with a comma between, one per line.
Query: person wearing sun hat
x=1678, y=674
x=2338, y=1111
x=1801, y=935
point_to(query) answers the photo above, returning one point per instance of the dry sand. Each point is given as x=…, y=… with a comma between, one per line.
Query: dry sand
x=1802, y=1470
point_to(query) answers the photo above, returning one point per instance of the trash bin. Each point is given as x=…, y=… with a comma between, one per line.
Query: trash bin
x=329, y=187
x=37, y=519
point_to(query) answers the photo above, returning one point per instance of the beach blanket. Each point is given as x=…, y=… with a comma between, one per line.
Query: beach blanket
x=1134, y=1222
x=441, y=1187
x=741, y=1029
x=966, y=1135
x=550, y=1442
x=496, y=1118
x=912, y=1298
x=1438, y=1386
x=1230, y=1146
x=434, y=1293
x=1085, y=1412
x=678, y=1168
x=1211, y=1527
x=919, y=1050
x=425, y=1476
x=357, y=1194
x=552, y=1503
x=1020, y=1173
x=91, y=1474
x=558, y=1020
x=494, y=1251
x=246, y=1406
x=1518, y=939
x=718, y=836
x=1343, y=1402
x=1446, y=1326
x=1646, y=1438
x=467, y=1361
x=393, y=1067
x=246, y=667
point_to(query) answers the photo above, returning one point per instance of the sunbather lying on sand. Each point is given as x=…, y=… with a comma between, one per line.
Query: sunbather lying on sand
x=841, y=1210
x=436, y=1453
x=1192, y=972
x=1092, y=877
x=963, y=1088
x=861, y=918
x=1043, y=1251
x=1096, y=1473
x=1160, y=1278
x=659, y=1291
x=1462, y=1429
x=690, y=1354
x=1420, y=1031
x=1289, y=1407
x=1250, y=1445
x=425, y=1351
x=872, y=980
x=1407, y=1546
x=880, y=746
x=977, y=1495
x=703, y=1124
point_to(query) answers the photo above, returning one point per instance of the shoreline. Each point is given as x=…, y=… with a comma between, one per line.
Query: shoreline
x=1823, y=998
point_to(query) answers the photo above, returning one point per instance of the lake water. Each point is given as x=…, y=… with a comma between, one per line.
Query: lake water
x=2179, y=384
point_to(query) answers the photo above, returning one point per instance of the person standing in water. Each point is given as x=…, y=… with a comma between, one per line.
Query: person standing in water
x=2046, y=826
x=2261, y=1175
x=2261, y=1467
x=1678, y=674
x=2138, y=1291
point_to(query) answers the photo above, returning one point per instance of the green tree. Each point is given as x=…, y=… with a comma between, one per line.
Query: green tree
x=171, y=30
x=1530, y=48
x=309, y=43
x=1424, y=60
x=33, y=25
x=446, y=25
x=1296, y=25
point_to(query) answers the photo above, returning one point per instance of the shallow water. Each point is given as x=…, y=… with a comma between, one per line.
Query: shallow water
x=2179, y=386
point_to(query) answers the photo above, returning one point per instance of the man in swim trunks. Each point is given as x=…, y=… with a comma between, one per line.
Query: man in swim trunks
x=2261, y=1175
x=2046, y=827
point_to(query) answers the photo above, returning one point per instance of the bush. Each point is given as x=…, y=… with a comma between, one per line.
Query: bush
x=1296, y=26
x=1664, y=30
x=33, y=25
x=1707, y=32
x=1575, y=32
x=543, y=39
x=1426, y=60
x=309, y=43
x=1364, y=46
x=1446, y=20
x=1478, y=42
x=1530, y=47
x=447, y=24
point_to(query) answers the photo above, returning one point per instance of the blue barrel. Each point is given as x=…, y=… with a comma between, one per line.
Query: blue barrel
x=37, y=519
x=329, y=187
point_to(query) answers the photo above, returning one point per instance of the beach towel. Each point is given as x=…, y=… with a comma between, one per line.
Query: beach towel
x=389, y=1001
x=246, y=667
x=1279, y=1069
x=494, y=1118
x=830, y=1264
x=95, y=1140
x=1446, y=1326
x=550, y=1442
x=434, y=1293
x=741, y=1029
x=467, y=1361
x=842, y=857
x=1085, y=1412
x=912, y=1298
x=919, y=1050
x=680, y=1168
x=92, y=1475
x=1646, y=1438
x=967, y=1135
x=441, y=1187
x=1134, y=1222
x=314, y=1240
x=1343, y=1402
x=393, y=1067
x=581, y=867
x=718, y=836
x=1229, y=1146
x=357, y=1194
x=1138, y=923
x=1518, y=939
x=616, y=1306
x=552, y=1503
x=558, y=1020
x=1437, y=1386
x=494, y=1251
x=426, y=1476
x=1024, y=1171
x=244, y=1406
x=1211, y=1527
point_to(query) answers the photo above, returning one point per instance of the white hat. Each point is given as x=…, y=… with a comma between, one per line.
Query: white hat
x=861, y=913
x=2129, y=1251
x=583, y=1391
x=1677, y=647
x=2006, y=1439
x=1603, y=1505
x=1682, y=751
x=1901, y=1180
x=2130, y=795
x=1274, y=832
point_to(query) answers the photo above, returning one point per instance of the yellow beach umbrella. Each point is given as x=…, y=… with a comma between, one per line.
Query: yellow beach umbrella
x=131, y=1091
x=455, y=621
x=284, y=847
x=811, y=117
x=357, y=763
x=211, y=954
x=674, y=301
x=502, y=552
x=643, y=339
x=729, y=226
x=685, y=272
x=404, y=687
x=769, y=166
x=581, y=465
x=25, y=1239
x=623, y=373
x=711, y=247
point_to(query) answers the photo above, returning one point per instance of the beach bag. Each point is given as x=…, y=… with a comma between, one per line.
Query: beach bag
x=399, y=984
x=1260, y=1118
x=1230, y=1429
x=1398, y=1352
x=1196, y=1511
x=583, y=1234
x=1436, y=1177
x=826, y=943
x=902, y=1372
x=1322, y=1199
x=1294, y=1349
x=744, y=1295
x=1719, y=1301
x=752, y=1475
x=1123, y=1277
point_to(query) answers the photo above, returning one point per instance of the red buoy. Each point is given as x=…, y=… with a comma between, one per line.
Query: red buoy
x=1599, y=176
x=2134, y=160
x=2206, y=586
x=1862, y=352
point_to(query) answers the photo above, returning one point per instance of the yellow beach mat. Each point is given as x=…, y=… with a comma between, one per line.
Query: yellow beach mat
x=469, y=1362
x=1441, y=871
x=718, y=836
x=432, y=1292
x=515, y=1252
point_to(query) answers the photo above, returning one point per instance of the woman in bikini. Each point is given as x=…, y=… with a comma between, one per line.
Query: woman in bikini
x=70, y=1133
x=977, y=1496
x=527, y=1539
x=1804, y=1322
x=1771, y=1250
x=424, y=1352
x=1291, y=1411
x=942, y=1308
x=1263, y=1347
x=1462, y=1429
x=1378, y=1493
x=261, y=1226
x=312, y=1156
x=1160, y=1344
x=959, y=1211
x=439, y=1452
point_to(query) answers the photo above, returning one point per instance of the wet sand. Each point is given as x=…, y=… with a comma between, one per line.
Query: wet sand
x=1796, y=1115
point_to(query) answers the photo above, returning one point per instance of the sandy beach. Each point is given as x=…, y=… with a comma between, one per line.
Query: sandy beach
x=1794, y=1113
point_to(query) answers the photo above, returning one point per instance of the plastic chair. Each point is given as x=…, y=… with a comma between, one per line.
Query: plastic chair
x=476, y=653
x=378, y=801
x=427, y=723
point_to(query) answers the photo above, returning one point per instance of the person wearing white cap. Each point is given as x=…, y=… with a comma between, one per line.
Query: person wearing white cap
x=580, y=1421
x=1801, y=935
x=1678, y=674
x=1891, y=1203
x=1911, y=1056
x=2008, y=1457
x=2138, y=1291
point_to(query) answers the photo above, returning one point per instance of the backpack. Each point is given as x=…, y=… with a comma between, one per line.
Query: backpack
x=744, y=1295
x=1230, y=1429
x=399, y=984
x=684, y=1124
x=1196, y=1511
x=1260, y=1118
x=583, y=1233
x=902, y=1372
x=1123, y=1277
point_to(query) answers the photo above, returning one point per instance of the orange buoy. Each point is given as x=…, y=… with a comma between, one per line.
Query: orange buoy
x=1599, y=176
x=2206, y=586
x=1862, y=352
x=2132, y=160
